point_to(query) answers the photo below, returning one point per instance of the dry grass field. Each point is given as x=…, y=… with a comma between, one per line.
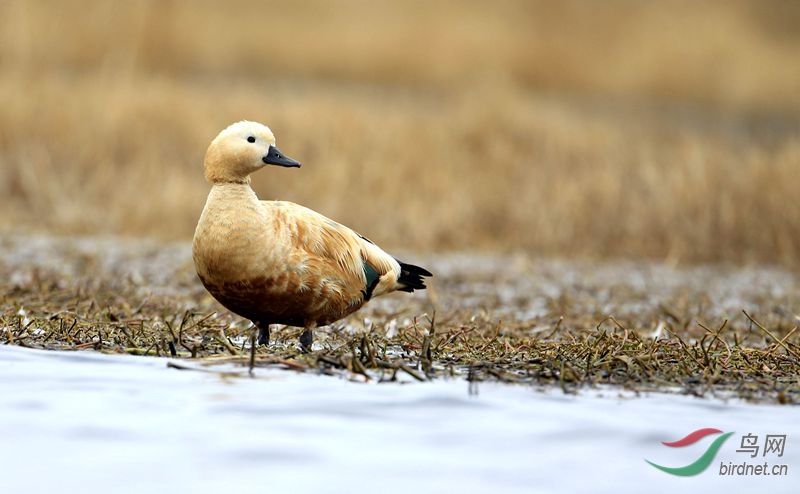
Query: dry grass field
x=667, y=130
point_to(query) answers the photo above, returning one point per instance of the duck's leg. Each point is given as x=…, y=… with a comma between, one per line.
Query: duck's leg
x=252, y=352
x=263, y=332
x=307, y=338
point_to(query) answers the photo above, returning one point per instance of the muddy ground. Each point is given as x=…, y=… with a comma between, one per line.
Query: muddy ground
x=645, y=326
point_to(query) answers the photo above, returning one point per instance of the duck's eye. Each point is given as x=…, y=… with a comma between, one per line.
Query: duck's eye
x=251, y=139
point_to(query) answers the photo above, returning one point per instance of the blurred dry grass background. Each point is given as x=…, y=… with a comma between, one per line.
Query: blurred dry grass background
x=619, y=128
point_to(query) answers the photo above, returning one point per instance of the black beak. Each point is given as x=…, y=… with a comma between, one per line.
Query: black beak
x=275, y=157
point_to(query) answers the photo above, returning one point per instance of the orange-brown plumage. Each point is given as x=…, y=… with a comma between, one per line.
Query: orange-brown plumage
x=276, y=262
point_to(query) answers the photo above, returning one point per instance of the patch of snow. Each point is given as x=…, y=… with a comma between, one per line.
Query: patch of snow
x=88, y=422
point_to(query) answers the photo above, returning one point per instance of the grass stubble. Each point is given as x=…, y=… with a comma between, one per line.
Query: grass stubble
x=677, y=341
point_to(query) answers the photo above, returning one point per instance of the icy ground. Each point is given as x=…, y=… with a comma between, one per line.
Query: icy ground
x=87, y=422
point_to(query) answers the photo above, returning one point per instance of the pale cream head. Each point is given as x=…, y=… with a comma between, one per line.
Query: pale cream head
x=241, y=149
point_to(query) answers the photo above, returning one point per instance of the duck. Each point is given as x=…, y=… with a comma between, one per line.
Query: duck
x=280, y=263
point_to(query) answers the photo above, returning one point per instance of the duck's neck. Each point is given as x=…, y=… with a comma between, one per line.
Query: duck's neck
x=232, y=191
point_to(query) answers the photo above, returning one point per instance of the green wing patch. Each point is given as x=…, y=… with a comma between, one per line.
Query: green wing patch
x=372, y=280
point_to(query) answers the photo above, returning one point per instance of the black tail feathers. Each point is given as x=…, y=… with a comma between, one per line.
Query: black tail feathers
x=412, y=277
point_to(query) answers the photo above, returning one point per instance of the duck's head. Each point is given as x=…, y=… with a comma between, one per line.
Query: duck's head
x=241, y=149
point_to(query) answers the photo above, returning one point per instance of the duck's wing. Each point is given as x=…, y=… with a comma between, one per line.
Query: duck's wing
x=331, y=249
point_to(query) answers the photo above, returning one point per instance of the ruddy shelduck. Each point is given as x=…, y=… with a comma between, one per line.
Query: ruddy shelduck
x=275, y=262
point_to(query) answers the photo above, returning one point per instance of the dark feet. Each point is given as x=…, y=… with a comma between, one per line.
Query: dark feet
x=263, y=334
x=306, y=339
